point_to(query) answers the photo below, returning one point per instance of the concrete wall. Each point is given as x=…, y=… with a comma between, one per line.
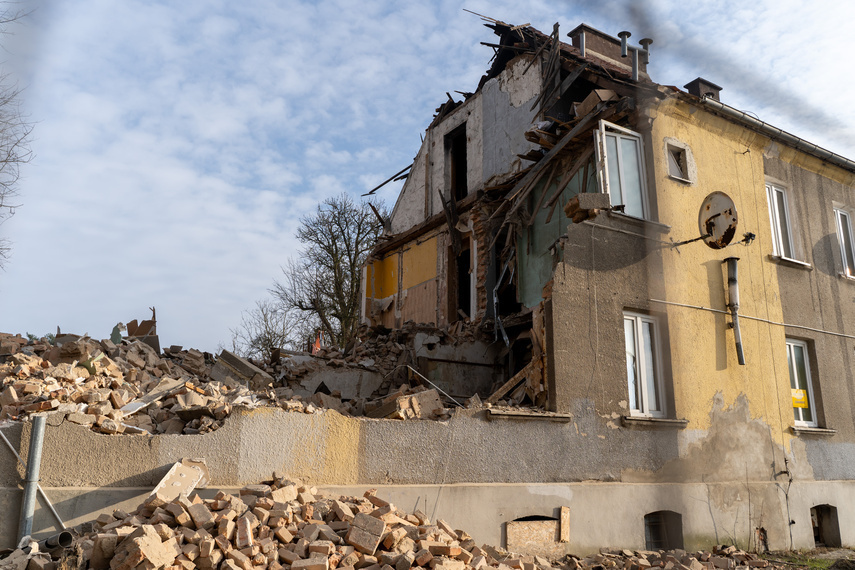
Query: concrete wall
x=475, y=473
x=820, y=298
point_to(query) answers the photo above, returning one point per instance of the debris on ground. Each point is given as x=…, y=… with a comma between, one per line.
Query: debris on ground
x=124, y=386
x=283, y=524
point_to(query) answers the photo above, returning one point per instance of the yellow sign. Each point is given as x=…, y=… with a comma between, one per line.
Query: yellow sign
x=800, y=398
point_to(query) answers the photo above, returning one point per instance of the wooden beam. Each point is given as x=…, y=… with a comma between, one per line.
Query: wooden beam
x=511, y=384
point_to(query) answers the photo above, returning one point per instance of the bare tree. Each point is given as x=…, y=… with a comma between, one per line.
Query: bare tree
x=323, y=283
x=14, y=137
x=266, y=327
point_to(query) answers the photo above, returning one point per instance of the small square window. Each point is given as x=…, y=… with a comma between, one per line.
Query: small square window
x=677, y=165
x=804, y=405
x=844, y=237
x=643, y=365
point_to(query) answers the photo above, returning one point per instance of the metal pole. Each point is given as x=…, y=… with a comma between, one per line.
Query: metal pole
x=34, y=460
x=733, y=305
x=41, y=491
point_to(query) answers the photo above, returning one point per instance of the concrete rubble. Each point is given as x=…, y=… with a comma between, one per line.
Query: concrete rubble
x=128, y=388
x=283, y=524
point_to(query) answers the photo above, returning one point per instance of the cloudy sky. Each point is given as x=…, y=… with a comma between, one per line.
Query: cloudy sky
x=177, y=144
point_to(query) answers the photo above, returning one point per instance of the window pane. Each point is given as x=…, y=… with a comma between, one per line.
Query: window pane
x=650, y=367
x=793, y=384
x=799, y=365
x=612, y=160
x=846, y=243
x=631, y=362
x=675, y=163
x=783, y=224
x=631, y=171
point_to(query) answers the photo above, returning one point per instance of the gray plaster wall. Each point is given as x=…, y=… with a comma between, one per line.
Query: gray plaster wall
x=604, y=271
x=475, y=472
x=819, y=298
x=506, y=107
x=602, y=514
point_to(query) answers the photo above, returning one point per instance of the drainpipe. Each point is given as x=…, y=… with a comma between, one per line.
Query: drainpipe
x=733, y=305
x=34, y=460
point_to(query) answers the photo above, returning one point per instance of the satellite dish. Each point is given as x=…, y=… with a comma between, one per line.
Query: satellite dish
x=717, y=220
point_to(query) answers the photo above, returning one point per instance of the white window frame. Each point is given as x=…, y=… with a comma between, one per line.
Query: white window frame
x=642, y=396
x=845, y=230
x=792, y=346
x=604, y=131
x=779, y=243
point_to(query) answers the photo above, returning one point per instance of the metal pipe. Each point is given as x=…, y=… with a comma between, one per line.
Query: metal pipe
x=635, y=64
x=623, y=45
x=775, y=133
x=41, y=491
x=34, y=460
x=645, y=44
x=733, y=304
x=59, y=540
x=582, y=43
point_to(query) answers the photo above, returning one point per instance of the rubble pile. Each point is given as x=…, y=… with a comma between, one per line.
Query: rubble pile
x=285, y=525
x=128, y=388
x=380, y=349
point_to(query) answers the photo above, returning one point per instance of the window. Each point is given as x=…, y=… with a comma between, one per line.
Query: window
x=804, y=411
x=620, y=165
x=677, y=167
x=643, y=365
x=844, y=236
x=779, y=215
x=663, y=530
x=455, y=151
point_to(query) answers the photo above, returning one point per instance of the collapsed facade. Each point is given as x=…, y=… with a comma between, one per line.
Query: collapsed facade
x=592, y=222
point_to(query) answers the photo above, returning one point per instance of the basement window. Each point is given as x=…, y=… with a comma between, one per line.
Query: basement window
x=826, y=528
x=620, y=167
x=455, y=154
x=663, y=530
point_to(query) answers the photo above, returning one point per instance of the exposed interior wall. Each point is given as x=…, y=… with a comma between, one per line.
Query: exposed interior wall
x=402, y=286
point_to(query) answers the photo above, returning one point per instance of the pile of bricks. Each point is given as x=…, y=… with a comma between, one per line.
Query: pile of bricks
x=285, y=525
x=128, y=388
x=722, y=557
x=280, y=525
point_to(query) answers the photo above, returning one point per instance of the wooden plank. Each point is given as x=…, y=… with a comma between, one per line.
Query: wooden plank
x=564, y=529
x=510, y=384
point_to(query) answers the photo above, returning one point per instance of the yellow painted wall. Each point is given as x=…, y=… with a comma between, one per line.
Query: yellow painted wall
x=729, y=159
x=382, y=276
x=418, y=264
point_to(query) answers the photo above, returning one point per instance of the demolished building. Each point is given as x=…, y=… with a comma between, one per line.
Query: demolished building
x=572, y=220
x=592, y=221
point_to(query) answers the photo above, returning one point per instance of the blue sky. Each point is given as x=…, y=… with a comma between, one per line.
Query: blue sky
x=177, y=144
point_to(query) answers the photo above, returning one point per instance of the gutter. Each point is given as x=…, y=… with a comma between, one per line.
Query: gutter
x=777, y=134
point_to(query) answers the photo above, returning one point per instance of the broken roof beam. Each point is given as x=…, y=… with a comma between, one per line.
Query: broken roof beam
x=391, y=179
x=526, y=185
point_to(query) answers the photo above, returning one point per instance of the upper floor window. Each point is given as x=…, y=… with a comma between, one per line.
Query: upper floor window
x=782, y=238
x=456, y=163
x=620, y=157
x=643, y=365
x=804, y=405
x=844, y=236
